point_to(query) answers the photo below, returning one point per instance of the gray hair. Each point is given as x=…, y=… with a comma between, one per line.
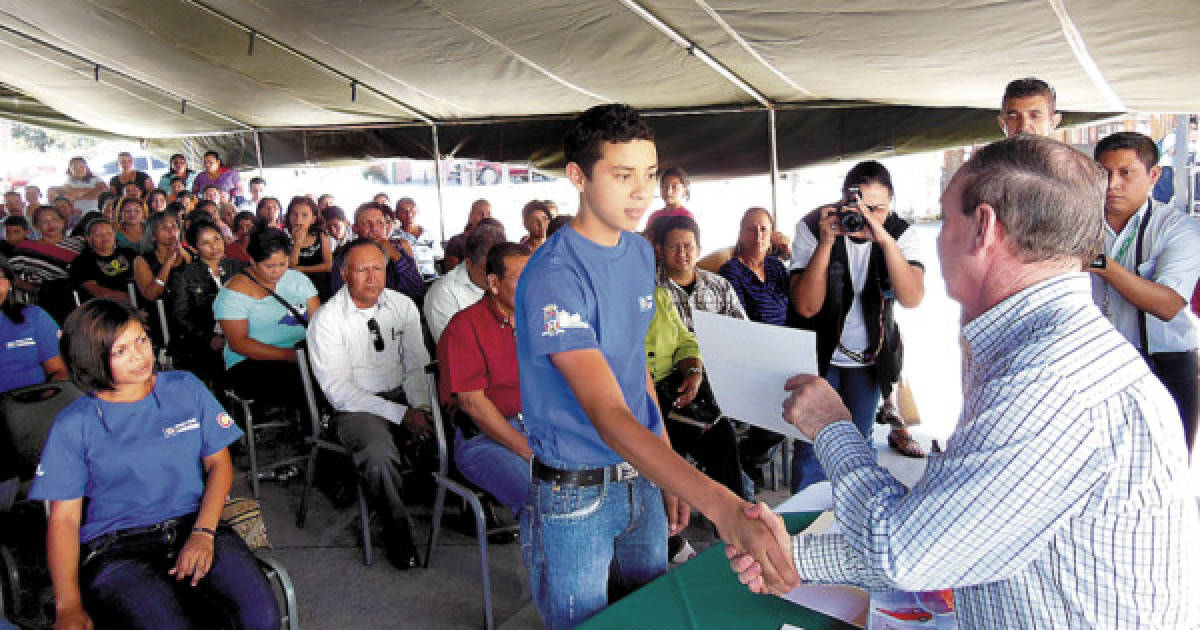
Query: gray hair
x=1049, y=196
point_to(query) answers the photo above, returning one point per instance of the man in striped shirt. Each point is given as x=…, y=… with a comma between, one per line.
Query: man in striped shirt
x=1062, y=499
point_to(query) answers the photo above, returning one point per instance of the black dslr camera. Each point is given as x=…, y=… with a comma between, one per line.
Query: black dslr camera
x=847, y=213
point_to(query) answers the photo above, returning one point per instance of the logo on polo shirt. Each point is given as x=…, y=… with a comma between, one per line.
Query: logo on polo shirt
x=224, y=420
x=646, y=303
x=40, y=472
x=554, y=321
x=20, y=343
x=190, y=424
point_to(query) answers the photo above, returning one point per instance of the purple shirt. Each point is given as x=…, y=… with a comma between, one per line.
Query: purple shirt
x=766, y=300
x=227, y=180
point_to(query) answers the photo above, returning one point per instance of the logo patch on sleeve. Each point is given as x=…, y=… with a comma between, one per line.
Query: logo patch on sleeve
x=646, y=303
x=224, y=420
x=555, y=321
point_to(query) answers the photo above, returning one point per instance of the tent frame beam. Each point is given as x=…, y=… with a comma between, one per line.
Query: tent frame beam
x=98, y=67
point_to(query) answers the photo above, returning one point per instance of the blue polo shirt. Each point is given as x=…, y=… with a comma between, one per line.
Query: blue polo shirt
x=138, y=463
x=576, y=294
x=25, y=347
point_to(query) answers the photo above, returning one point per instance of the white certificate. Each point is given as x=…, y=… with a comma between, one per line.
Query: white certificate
x=748, y=363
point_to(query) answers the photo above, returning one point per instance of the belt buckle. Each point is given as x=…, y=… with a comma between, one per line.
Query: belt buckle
x=625, y=471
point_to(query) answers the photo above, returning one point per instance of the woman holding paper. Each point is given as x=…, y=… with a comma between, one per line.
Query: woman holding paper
x=852, y=261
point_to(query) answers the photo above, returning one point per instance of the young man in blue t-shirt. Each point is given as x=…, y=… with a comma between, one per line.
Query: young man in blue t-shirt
x=584, y=304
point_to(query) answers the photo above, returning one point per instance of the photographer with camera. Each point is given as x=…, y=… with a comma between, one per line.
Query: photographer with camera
x=851, y=262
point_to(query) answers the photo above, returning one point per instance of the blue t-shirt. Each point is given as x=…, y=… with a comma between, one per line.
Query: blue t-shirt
x=269, y=322
x=138, y=463
x=26, y=346
x=576, y=294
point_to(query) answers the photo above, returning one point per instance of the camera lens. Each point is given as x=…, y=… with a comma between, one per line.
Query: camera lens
x=853, y=222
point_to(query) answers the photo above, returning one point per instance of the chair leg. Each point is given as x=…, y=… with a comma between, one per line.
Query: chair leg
x=310, y=474
x=365, y=518
x=439, y=502
x=481, y=536
x=251, y=447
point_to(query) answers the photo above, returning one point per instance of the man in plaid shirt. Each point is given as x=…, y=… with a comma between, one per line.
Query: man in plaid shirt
x=1062, y=499
x=677, y=243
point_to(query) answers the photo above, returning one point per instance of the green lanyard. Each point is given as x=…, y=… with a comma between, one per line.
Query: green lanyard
x=1120, y=255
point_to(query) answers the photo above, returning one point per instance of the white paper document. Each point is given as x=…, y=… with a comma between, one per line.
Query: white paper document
x=748, y=363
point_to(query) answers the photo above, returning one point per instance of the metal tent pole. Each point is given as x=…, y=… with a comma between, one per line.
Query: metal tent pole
x=258, y=152
x=1182, y=190
x=437, y=171
x=774, y=141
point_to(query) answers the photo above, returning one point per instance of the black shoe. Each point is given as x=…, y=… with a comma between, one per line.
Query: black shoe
x=403, y=555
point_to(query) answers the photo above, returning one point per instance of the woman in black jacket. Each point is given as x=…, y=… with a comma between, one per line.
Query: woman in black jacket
x=196, y=341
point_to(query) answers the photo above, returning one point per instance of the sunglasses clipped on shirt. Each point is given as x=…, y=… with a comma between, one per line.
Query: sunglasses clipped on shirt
x=373, y=326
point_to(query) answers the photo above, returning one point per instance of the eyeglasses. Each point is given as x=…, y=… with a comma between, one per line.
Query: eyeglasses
x=373, y=326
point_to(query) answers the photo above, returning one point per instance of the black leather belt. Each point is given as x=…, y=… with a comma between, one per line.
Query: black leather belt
x=586, y=477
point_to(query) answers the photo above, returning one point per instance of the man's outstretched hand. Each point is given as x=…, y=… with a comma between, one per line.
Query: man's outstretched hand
x=813, y=404
x=763, y=548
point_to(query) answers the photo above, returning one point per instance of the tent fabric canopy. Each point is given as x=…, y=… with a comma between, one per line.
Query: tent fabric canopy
x=326, y=80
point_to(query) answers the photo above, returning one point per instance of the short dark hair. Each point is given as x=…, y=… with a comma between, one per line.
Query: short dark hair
x=16, y=220
x=197, y=225
x=371, y=205
x=265, y=241
x=177, y=155
x=185, y=194
x=214, y=154
x=257, y=180
x=333, y=213
x=1030, y=86
x=536, y=206
x=99, y=221
x=10, y=307
x=665, y=225
x=500, y=251
x=37, y=212
x=1141, y=144
x=340, y=262
x=487, y=233
x=154, y=192
x=210, y=186
x=263, y=202
x=175, y=207
x=244, y=215
x=603, y=123
x=87, y=339
x=868, y=172
x=675, y=171
x=203, y=204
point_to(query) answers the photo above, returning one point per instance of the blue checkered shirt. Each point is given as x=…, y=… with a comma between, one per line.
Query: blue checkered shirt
x=1061, y=500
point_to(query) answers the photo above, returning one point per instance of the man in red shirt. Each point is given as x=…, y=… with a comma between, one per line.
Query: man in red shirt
x=477, y=355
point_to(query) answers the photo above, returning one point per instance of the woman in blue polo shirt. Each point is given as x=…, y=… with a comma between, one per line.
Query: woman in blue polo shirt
x=148, y=453
x=29, y=354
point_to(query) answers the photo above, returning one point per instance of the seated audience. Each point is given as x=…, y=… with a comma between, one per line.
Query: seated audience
x=68, y=210
x=337, y=227
x=269, y=212
x=425, y=248
x=103, y=269
x=463, y=285
x=325, y=200
x=81, y=186
x=676, y=189
x=196, y=341
x=210, y=210
x=178, y=168
x=33, y=196
x=477, y=356
x=263, y=312
x=163, y=253
x=456, y=247
x=128, y=176
x=312, y=250
x=243, y=224
x=156, y=202
x=224, y=178
x=131, y=219
x=758, y=278
x=28, y=341
x=16, y=229
x=136, y=474
x=371, y=223
x=14, y=204
x=41, y=265
x=536, y=217
x=257, y=187
x=369, y=357
x=187, y=198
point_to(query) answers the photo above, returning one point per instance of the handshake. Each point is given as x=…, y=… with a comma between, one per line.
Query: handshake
x=758, y=545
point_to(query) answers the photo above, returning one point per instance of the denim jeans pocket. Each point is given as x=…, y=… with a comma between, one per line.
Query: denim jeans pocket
x=560, y=504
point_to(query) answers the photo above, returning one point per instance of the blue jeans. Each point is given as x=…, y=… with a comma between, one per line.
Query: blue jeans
x=491, y=466
x=130, y=588
x=574, y=539
x=860, y=393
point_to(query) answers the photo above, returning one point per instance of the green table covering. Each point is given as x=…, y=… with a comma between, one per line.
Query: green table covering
x=704, y=593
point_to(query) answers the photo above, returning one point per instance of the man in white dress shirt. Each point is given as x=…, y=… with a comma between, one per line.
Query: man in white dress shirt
x=368, y=356
x=463, y=285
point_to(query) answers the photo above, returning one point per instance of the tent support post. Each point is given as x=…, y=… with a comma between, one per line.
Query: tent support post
x=1183, y=191
x=437, y=172
x=258, y=152
x=774, y=143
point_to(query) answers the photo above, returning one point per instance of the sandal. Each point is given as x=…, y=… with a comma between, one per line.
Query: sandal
x=903, y=442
